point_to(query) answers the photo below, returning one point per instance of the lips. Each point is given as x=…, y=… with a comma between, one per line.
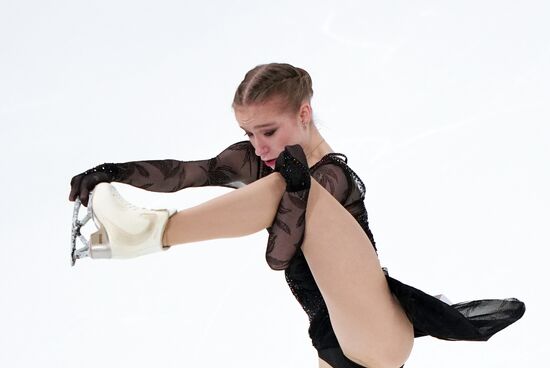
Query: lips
x=270, y=163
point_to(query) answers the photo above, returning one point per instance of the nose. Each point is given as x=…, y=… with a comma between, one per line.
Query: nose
x=261, y=147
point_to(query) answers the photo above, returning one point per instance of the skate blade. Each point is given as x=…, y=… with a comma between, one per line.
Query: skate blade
x=76, y=234
x=97, y=246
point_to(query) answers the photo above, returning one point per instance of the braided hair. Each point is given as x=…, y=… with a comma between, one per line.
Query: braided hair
x=266, y=81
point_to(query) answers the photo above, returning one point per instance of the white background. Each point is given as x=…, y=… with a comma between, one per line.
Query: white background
x=441, y=107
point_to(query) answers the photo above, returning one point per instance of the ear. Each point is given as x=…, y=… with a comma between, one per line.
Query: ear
x=305, y=113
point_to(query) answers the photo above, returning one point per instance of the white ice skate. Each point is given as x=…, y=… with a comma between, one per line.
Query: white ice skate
x=443, y=298
x=124, y=230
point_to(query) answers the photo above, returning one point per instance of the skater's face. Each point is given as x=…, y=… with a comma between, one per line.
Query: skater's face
x=270, y=127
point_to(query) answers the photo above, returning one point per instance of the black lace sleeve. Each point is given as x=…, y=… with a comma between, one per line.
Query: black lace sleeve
x=286, y=234
x=344, y=184
x=333, y=178
x=234, y=167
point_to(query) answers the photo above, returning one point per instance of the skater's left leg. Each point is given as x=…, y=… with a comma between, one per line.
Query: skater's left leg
x=240, y=212
x=127, y=231
x=369, y=323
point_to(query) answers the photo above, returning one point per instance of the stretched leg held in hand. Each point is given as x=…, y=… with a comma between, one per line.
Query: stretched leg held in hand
x=370, y=325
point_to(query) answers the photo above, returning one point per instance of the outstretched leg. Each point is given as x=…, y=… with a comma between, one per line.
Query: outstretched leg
x=370, y=324
x=240, y=212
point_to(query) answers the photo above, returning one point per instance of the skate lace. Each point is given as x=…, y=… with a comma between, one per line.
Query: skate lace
x=127, y=204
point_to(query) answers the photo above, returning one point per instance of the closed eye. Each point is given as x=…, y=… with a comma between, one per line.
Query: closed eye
x=267, y=134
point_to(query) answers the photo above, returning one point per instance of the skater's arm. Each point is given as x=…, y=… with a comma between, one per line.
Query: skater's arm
x=233, y=167
x=286, y=234
x=344, y=185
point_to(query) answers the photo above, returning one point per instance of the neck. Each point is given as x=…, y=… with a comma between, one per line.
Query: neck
x=317, y=148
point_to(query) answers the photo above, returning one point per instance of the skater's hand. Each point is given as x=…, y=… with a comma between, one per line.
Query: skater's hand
x=83, y=184
x=292, y=165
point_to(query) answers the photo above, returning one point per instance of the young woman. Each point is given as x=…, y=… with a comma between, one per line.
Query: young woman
x=318, y=229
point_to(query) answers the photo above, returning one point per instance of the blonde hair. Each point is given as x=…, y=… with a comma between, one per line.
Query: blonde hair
x=293, y=85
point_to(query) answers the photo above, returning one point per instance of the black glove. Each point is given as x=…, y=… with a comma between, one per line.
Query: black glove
x=292, y=165
x=83, y=184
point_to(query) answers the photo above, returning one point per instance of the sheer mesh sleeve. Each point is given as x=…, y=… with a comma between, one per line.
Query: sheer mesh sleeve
x=233, y=167
x=286, y=234
x=333, y=178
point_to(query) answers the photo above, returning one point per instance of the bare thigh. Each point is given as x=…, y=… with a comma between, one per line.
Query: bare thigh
x=368, y=321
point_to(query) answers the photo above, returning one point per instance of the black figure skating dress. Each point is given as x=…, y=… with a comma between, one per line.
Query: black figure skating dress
x=238, y=165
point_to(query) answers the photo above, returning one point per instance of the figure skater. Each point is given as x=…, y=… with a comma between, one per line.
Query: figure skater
x=318, y=229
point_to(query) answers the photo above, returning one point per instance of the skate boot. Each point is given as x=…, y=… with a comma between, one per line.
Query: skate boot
x=124, y=230
x=443, y=298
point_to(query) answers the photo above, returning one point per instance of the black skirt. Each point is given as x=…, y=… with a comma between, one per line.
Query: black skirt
x=476, y=320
